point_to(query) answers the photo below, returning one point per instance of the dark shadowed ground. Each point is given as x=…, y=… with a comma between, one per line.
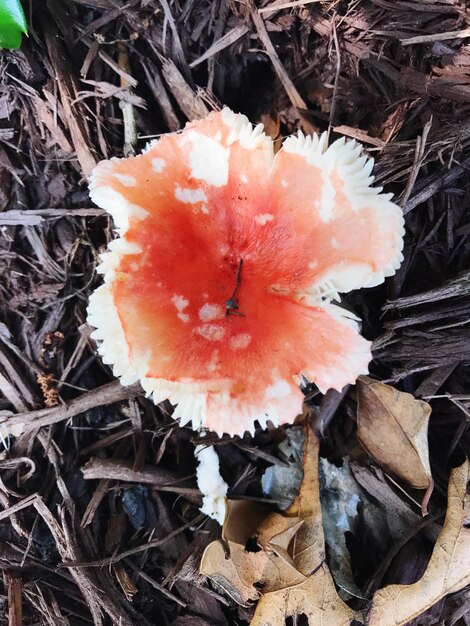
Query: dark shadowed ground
x=393, y=74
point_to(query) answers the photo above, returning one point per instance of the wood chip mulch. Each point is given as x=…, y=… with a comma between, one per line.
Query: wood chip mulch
x=99, y=518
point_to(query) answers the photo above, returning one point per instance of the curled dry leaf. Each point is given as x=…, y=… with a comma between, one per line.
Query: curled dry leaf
x=448, y=570
x=279, y=558
x=246, y=559
x=392, y=426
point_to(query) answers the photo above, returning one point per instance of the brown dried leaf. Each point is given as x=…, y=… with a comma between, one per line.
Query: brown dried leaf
x=309, y=543
x=220, y=566
x=279, y=558
x=247, y=557
x=316, y=598
x=448, y=570
x=392, y=426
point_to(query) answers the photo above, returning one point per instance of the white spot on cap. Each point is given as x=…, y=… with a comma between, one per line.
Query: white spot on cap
x=181, y=303
x=334, y=243
x=244, y=178
x=313, y=264
x=211, y=332
x=126, y=179
x=284, y=183
x=190, y=196
x=263, y=218
x=277, y=391
x=158, y=165
x=208, y=160
x=240, y=342
x=209, y=312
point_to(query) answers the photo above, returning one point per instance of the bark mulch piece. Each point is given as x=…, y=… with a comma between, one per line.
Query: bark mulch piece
x=99, y=519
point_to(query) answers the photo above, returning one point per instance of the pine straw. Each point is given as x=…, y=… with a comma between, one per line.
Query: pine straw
x=93, y=73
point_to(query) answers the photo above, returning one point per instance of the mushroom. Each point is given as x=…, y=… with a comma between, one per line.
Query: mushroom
x=219, y=292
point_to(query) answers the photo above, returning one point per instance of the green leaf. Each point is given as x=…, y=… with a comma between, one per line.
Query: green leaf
x=12, y=23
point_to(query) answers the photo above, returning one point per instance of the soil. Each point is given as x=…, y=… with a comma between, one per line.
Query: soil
x=100, y=521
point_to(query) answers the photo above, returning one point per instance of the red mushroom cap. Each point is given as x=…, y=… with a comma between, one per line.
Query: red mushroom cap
x=217, y=293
